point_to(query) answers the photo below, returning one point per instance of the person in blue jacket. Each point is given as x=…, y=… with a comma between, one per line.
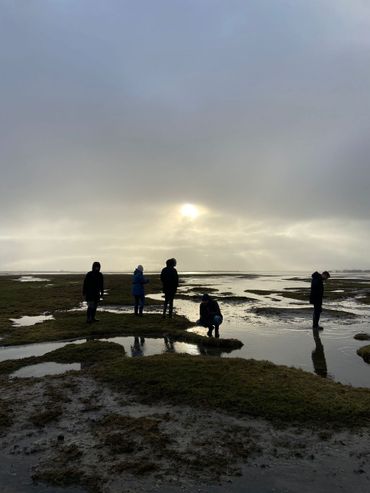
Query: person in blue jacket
x=138, y=291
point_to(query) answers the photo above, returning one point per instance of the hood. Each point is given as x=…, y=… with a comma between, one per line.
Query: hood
x=316, y=275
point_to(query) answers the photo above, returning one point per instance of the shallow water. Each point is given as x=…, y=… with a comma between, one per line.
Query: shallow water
x=27, y=321
x=31, y=279
x=43, y=369
x=287, y=340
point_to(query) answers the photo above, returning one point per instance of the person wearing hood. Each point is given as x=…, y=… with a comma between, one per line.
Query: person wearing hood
x=316, y=295
x=93, y=290
x=138, y=292
x=170, y=282
x=210, y=315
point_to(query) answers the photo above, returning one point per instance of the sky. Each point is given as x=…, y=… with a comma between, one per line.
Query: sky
x=115, y=114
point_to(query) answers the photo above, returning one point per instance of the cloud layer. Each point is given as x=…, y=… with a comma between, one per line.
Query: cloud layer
x=115, y=113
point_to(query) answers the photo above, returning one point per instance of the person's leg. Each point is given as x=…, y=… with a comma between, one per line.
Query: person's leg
x=316, y=315
x=165, y=305
x=93, y=311
x=216, y=331
x=141, y=305
x=136, y=306
x=170, y=306
x=89, y=313
x=210, y=330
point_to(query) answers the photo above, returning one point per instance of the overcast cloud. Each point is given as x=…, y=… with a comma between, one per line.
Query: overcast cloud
x=115, y=113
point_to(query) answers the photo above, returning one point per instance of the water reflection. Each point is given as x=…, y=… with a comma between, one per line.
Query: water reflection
x=138, y=348
x=43, y=369
x=318, y=355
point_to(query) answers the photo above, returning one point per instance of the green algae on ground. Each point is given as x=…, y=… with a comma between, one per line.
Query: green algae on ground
x=364, y=352
x=61, y=292
x=73, y=325
x=243, y=386
x=5, y=415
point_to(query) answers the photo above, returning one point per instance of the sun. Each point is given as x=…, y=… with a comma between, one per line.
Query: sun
x=189, y=211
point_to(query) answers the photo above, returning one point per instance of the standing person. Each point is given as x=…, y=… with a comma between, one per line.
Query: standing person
x=316, y=295
x=170, y=282
x=93, y=290
x=210, y=315
x=138, y=293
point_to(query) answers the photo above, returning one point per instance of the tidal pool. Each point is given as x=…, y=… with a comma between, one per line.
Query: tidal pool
x=27, y=321
x=286, y=339
x=43, y=369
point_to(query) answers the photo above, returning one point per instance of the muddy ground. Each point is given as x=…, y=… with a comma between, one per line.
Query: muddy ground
x=70, y=431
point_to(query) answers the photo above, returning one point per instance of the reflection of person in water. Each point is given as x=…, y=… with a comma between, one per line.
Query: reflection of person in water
x=169, y=346
x=138, y=348
x=318, y=355
x=210, y=315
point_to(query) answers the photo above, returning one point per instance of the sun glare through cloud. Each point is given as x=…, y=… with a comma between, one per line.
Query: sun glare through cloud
x=189, y=211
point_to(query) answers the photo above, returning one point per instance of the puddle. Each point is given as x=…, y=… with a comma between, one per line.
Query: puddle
x=43, y=369
x=31, y=279
x=28, y=350
x=27, y=321
x=149, y=346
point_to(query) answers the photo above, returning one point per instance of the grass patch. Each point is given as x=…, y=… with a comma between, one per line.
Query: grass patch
x=61, y=292
x=362, y=336
x=5, y=415
x=364, y=352
x=72, y=325
x=243, y=386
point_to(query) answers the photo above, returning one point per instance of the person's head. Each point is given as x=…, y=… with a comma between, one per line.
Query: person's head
x=96, y=266
x=325, y=275
x=206, y=297
x=140, y=268
x=171, y=262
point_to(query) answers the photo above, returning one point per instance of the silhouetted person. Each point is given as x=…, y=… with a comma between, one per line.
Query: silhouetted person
x=138, y=292
x=93, y=290
x=170, y=282
x=316, y=295
x=210, y=315
x=318, y=356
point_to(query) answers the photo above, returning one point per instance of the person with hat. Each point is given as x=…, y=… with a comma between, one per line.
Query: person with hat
x=210, y=315
x=138, y=292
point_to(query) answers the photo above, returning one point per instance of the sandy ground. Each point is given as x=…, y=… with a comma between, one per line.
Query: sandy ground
x=69, y=427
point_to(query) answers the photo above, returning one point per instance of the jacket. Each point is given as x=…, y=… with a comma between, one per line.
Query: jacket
x=170, y=279
x=138, y=282
x=93, y=286
x=317, y=289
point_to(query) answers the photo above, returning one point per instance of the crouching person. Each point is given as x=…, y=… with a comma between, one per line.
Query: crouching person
x=210, y=315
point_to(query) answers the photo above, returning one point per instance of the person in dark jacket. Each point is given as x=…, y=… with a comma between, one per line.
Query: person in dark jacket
x=93, y=290
x=316, y=295
x=210, y=315
x=138, y=292
x=170, y=282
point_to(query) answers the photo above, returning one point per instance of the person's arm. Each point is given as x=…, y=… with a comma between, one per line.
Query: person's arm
x=101, y=285
x=84, y=286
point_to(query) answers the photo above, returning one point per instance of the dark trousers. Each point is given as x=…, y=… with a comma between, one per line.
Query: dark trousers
x=139, y=304
x=91, y=310
x=168, y=302
x=317, y=309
